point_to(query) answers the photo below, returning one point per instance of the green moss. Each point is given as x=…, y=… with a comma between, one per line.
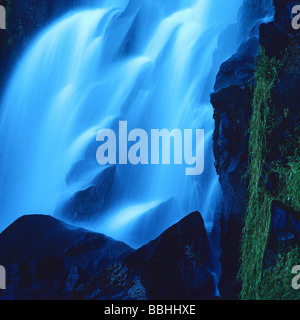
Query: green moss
x=277, y=281
x=257, y=281
x=257, y=224
x=289, y=181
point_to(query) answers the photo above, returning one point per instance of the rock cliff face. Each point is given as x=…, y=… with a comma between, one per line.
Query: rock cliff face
x=252, y=14
x=282, y=168
x=232, y=111
x=232, y=102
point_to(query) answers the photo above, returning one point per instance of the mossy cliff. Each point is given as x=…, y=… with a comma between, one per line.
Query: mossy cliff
x=267, y=173
x=270, y=249
x=268, y=182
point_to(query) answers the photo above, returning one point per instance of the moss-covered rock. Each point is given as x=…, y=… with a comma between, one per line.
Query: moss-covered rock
x=257, y=133
x=274, y=165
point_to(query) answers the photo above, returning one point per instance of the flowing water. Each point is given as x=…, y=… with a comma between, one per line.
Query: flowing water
x=150, y=63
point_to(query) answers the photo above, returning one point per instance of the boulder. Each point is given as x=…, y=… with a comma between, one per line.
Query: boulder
x=88, y=203
x=285, y=223
x=46, y=258
x=49, y=259
x=173, y=266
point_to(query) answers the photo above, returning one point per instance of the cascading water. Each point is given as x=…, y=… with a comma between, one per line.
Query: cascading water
x=150, y=63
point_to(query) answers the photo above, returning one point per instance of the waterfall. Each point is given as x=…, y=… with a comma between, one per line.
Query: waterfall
x=150, y=63
x=254, y=12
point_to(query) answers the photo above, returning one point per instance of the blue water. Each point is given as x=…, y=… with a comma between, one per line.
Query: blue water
x=151, y=63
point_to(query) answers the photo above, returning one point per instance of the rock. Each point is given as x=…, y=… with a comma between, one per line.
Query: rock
x=240, y=67
x=185, y=248
x=88, y=204
x=285, y=222
x=252, y=13
x=232, y=110
x=173, y=266
x=232, y=102
x=46, y=258
x=230, y=241
x=153, y=222
x=284, y=234
x=283, y=15
x=282, y=42
x=275, y=36
x=273, y=39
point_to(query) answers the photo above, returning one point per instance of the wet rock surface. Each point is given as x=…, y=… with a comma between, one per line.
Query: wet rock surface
x=48, y=259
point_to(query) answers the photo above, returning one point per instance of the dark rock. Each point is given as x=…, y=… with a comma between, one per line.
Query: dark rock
x=273, y=39
x=283, y=15
x=284, y=234
x=253, y=13
x=173, y=266
x=230, y=230
x=152, y=223
x=285, y=222
x=181, y=253
x=232, y=101
x=89, y=203
x=232, y=110
x=240, y=67
x=19, y=241
x=46, y=258
x=282, y=42
x=275, y=36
